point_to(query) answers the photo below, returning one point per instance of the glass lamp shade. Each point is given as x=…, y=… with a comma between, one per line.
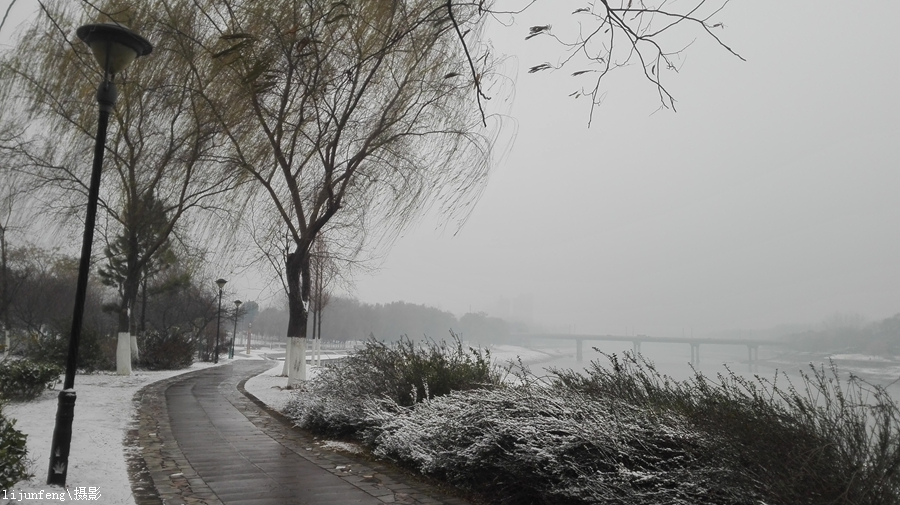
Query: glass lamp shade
x=237, y=303
x=113, y=45
x=221, y=283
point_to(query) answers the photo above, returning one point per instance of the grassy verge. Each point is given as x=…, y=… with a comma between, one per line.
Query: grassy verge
x=618, y=433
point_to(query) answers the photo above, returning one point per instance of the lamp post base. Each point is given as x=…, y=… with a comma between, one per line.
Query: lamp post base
x=62, y=438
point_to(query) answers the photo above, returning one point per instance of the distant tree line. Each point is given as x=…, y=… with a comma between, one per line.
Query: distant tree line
x=174, y=317
x=349, y=319
x=844, y=333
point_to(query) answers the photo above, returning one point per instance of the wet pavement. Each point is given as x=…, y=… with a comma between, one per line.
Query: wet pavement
x=199, y=439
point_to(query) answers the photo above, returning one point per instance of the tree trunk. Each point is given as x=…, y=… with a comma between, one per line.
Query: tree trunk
x=287, y=359
x=129, y=296
x=4, y=292
x=297, y=272
x=4, y=281
x=143, y=325
x=315, y=314
x=319, y=338
x=123, y=354
x=123, y=345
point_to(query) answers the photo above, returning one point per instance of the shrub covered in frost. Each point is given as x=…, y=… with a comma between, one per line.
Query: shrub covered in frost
x=825, y=442
x=404, y=372
x=541, y=445
x=620, y=433
x=13, y=465
x=22, y=379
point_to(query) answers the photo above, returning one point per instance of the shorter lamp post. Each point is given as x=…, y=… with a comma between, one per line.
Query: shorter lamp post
x=221, y=283
x=114, y=47
x=237, y=309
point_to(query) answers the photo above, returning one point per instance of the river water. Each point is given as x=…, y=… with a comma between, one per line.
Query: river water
x=674, y=360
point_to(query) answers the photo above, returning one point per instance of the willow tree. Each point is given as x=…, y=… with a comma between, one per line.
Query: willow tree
x=162, y=145
x=339, y=110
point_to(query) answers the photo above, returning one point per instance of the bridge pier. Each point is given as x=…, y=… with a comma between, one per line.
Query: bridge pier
x=637, y=347
x=753, y=358
x=579, y=350
x=695, y=354
x=753, y=353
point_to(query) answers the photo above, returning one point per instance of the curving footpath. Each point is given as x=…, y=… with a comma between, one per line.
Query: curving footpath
x=200, y=439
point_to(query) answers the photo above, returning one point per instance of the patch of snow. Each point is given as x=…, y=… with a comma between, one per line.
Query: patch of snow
x=269, y=386
x=103, y=413
x=861, y=357
x=503, y=354
x=334, y=445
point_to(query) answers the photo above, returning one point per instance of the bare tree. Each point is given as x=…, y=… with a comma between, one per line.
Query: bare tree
x=15, y=213
x=324, y=271
x=163, y=147
x=339, y=110
x=600, y=36
x=343, y=111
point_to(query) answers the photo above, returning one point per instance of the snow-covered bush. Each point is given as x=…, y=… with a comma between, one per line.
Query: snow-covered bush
x=22, y=379
x=407, y=372
x=550, y=444
x=623, y=434
x=825, y=442
x=13, y=466
x=404, y=372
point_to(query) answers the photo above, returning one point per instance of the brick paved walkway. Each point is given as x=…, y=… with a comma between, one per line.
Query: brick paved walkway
x=200, y=440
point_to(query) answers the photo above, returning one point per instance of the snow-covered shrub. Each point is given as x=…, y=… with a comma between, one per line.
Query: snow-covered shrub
x=407, y=372
x=622, y=434
x=13, y=466
x=336, y=401
x=822, y=443
x=22, y=379
x=550, y=444
x=333, y=411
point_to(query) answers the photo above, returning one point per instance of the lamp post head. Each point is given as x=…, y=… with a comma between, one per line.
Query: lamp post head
x=221, y=283
x=113, y=45
x=237, y=303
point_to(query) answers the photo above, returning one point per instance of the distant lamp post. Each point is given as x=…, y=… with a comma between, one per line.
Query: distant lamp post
x=114, y=48
x=237, y=309
x=221, y=283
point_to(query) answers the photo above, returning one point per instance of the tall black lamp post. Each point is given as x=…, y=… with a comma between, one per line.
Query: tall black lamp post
x=221, y=283
x=237, y=310
x=114, y=47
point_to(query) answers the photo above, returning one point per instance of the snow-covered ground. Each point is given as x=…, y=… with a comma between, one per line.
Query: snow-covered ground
x=506, y=353
x=103, y=413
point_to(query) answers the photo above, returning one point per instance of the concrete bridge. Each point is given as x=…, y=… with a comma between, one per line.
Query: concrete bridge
x=636, y=340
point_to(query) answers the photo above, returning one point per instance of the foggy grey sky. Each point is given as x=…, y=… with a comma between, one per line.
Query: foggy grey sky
x=770, y=197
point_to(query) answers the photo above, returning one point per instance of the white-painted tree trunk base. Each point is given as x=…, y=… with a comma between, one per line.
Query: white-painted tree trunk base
x=123, y=354
x=287, y=359
x=297, y=366
x=135, y=355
